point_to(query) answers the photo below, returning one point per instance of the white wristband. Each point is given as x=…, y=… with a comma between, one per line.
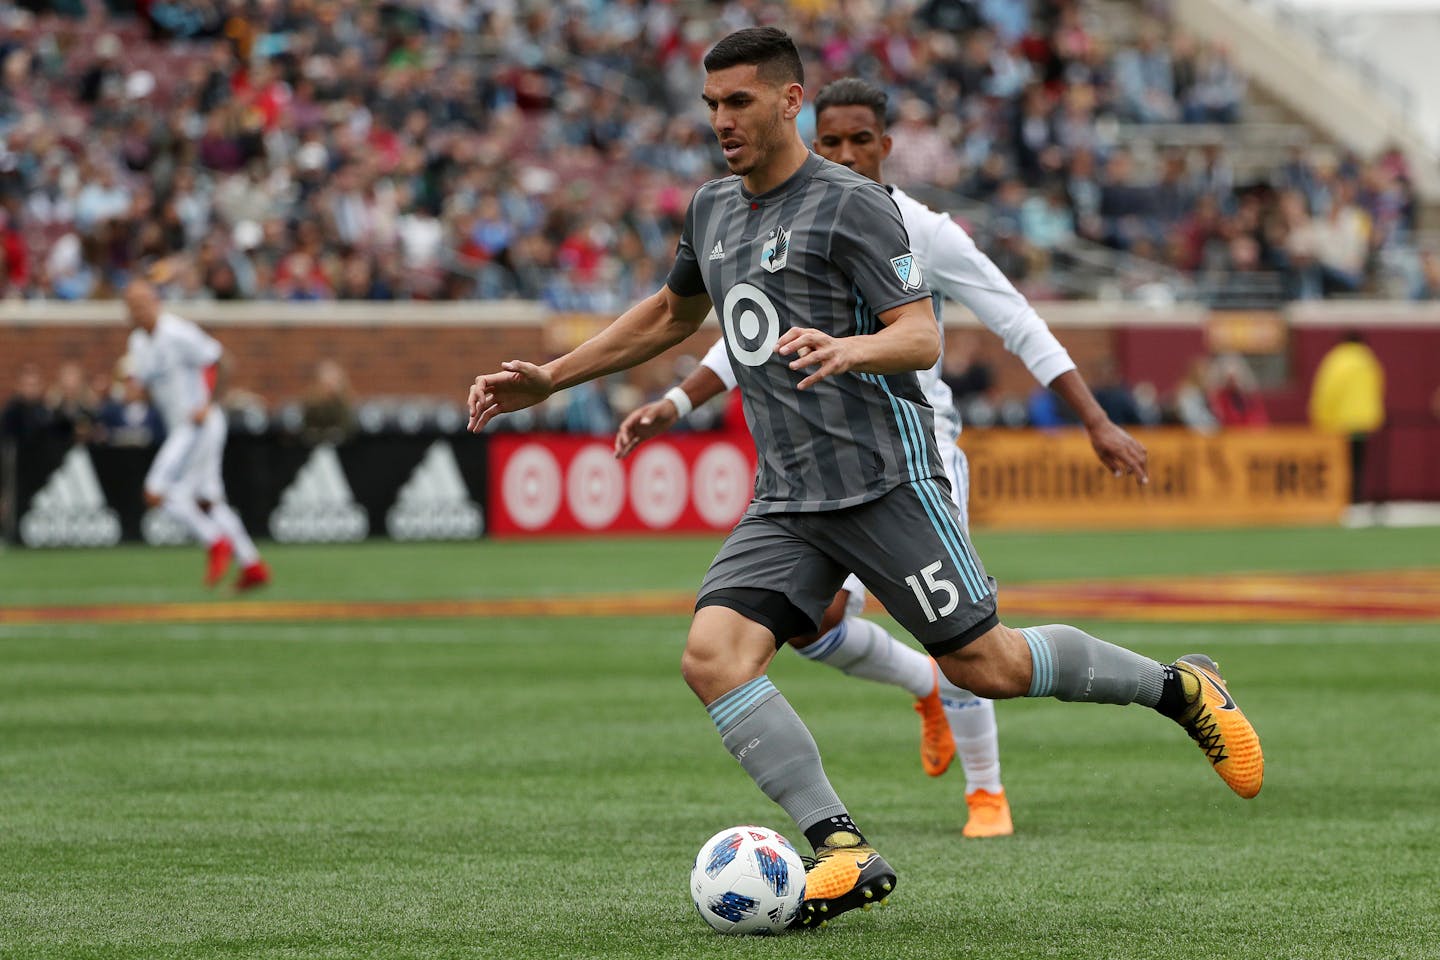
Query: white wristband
x=681, y=399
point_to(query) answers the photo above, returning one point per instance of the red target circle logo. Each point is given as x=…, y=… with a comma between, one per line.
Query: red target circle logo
x=595, y=487
x=722, y=485
x=658, y=486
x=531, y=486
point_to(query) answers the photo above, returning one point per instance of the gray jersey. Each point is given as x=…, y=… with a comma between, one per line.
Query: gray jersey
x=826, y=249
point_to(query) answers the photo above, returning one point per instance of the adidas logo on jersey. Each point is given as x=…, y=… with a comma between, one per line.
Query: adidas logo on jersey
x=434, y=503
x=70, y=510
x=717, y=252
x=318, y=506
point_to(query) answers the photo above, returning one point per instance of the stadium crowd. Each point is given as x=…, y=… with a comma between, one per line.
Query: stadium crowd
x=455, y=149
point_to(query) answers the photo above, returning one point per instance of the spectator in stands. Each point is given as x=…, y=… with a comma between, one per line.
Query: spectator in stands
x=328, y=413
x=921, y=154
x=27, y=417
x=1428, y=286
x=1127, y=207
x=964, y=369
x=1342, y=241
x=1145, y=79
x=73, y=408
x=1191, y=405
x=1233, y=397
x=1113, y=394
x=126, y=418
x=1218, y=88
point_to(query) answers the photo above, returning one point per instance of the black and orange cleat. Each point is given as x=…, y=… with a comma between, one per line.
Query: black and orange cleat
x=844, y=874
x=1214, y=722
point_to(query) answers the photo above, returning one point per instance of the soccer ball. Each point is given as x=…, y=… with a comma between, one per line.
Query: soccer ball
x=748, y=880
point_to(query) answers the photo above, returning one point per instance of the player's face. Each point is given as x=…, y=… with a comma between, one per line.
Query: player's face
x=749, y=115
x=141, y=305
x=852, y=137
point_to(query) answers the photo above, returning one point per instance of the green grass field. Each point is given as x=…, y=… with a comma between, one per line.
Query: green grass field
x=536, y=788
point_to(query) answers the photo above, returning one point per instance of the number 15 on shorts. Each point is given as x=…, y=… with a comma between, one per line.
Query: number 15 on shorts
x=933, y=587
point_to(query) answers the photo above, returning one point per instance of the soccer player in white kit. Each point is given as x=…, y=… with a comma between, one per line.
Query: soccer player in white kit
x=178, y=362
x=850, y=130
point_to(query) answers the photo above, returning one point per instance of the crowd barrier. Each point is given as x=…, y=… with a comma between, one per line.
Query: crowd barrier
x=434, y=486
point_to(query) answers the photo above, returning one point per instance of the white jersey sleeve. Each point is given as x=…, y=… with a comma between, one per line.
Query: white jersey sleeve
x=957, y=269
x=717, y=360
x=195, y=347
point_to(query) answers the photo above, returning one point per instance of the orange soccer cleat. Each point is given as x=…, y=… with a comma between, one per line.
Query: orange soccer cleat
x=220, y=553
x=989, y=815
x=937, y=742
x=1217, y=725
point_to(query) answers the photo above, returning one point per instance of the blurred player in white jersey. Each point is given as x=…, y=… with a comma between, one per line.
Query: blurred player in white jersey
x=850, y=130
x=178, y=364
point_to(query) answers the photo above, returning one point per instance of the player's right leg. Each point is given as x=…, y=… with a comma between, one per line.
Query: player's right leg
x=1068, y=664
x=170, y=485
x=740, y=621
x=948, y=604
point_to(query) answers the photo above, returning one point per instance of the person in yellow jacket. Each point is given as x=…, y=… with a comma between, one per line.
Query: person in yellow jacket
x=1348, y=397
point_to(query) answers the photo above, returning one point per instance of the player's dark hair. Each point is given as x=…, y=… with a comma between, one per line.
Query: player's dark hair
x=770, y=49
x=853, y=92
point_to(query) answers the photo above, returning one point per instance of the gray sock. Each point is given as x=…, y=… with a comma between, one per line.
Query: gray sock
x=1069, y=664
x=760, y=730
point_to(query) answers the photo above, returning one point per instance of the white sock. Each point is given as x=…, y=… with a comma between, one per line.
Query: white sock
x=188, y=512
x=861, y=648
x=229, y=521
x=977, y=739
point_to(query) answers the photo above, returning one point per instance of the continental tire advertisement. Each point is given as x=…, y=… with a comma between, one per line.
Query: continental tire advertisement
x=1029, y=479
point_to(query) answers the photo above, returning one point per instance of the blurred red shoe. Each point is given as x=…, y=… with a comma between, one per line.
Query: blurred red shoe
x=220, y=554
x=255, y=575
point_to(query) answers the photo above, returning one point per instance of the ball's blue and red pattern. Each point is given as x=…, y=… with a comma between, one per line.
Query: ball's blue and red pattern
x=773, y=870
x=722, y=854
x=733, y=906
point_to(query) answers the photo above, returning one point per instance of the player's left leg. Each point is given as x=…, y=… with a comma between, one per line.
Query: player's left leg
x=740, y=621
x=210, y=485
x=863, y=648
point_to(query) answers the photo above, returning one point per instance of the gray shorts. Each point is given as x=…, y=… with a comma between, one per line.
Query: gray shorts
x=908, y=547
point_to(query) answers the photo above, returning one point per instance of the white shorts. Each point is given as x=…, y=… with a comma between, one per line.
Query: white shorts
x=189, y=461
x=958, y=469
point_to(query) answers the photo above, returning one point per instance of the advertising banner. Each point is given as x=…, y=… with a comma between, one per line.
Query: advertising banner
x=564, y=484
x=1021, y=479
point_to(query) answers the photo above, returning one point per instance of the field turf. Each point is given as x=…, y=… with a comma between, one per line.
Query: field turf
x=536, y=787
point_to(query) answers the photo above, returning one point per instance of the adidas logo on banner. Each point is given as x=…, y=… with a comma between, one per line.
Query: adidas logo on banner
x=434, y=503
x=160, y=529
x=70, y=510
x=318, y=506
x=717, y=252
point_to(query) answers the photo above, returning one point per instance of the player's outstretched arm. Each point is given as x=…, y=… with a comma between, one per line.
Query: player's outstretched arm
x=909, y=340
x=645, y=330
x=654, y=418
x=958, y=269
x=1120, y=452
